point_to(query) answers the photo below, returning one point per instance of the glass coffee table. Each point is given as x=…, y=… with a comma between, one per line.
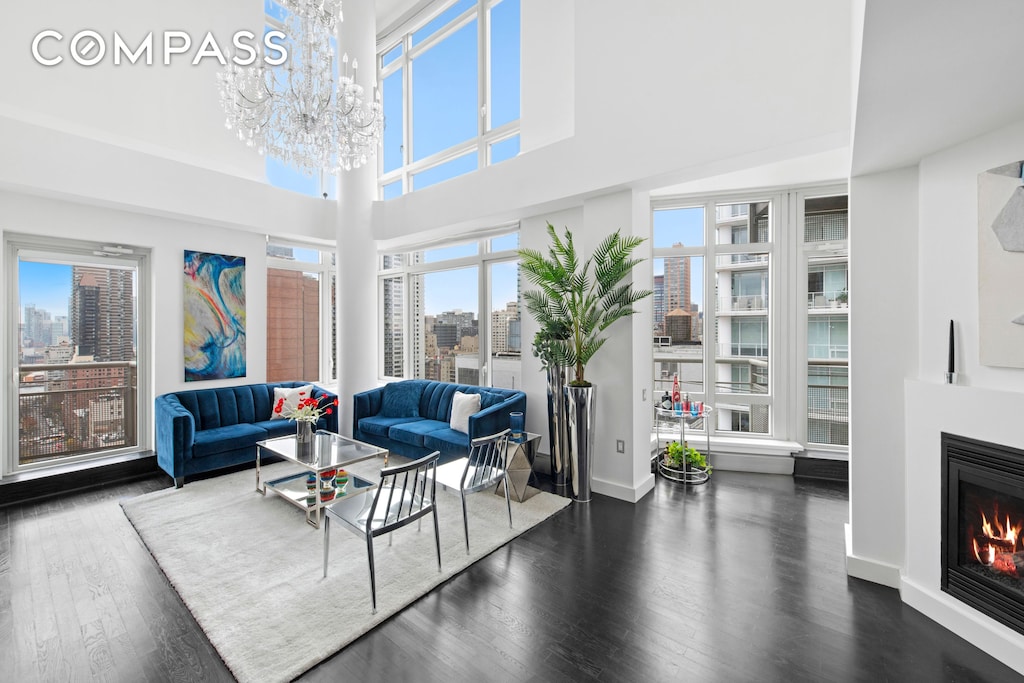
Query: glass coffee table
x=313, y=487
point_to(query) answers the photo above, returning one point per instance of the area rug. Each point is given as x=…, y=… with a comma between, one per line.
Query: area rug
x=251, y=570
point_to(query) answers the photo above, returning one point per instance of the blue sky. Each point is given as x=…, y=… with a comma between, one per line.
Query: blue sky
x=44, y=285
x=682, y=226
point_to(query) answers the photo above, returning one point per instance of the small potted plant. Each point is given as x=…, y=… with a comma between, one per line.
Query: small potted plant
x=686, y=458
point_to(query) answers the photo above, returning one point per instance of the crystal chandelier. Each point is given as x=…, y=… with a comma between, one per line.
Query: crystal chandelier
x=301, y=112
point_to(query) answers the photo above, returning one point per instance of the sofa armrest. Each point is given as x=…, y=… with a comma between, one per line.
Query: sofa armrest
x=496, y=418
x=175, y=434
x=328, y=422
x=365, y=404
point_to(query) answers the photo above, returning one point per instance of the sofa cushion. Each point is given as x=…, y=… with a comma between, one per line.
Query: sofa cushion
x=463, y=405
x=275, y=428
x=401, y=399
x=378, y=425
x=446, y=441
x=489, y=398
x=287, y=400
x=222, y=439
x=412, y=433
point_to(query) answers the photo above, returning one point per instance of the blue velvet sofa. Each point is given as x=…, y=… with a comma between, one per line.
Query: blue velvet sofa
x=205, y=429
x=411, y=417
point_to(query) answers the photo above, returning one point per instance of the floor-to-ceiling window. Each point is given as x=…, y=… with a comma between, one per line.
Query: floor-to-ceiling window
x=77, y=349
x=737, y=332
x=451, y=312
x=301, y=328
x=826, y=250
x=450, y=89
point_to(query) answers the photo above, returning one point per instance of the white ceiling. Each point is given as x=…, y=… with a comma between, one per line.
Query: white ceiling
x=390, y=10
x=934, y=73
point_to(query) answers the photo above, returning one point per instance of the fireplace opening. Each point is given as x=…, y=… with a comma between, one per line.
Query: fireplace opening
x=983, y=524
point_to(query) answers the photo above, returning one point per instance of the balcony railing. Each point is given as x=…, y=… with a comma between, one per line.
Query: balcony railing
x=828, y=351
x=743, y=303
x=820, y=300
x=828, y=415
x=75, y=408
x=743, y=350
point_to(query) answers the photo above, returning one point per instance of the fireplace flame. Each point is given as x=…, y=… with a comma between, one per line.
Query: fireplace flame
x=996, y=545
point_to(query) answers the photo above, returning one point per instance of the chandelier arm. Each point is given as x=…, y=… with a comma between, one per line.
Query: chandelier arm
x=306, y=116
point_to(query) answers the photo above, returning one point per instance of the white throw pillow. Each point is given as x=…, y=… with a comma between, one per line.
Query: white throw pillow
x=287, y=400
x=463, y=405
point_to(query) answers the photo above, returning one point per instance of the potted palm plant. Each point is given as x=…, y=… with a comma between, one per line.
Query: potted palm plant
x=555, y=368
x=582, y=297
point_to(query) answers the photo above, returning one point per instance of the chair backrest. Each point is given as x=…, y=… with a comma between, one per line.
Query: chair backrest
x=403, y=495
x=485, y=465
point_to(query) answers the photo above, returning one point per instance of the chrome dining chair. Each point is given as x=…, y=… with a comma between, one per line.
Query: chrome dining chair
x=406, y=494
x=485, y=467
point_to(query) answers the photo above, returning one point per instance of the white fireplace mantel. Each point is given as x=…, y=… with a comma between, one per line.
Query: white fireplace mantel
x=932, y=408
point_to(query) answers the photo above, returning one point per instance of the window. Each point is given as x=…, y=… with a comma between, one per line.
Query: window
x=450, y=93
x=451, y=313
x=301, y=329
x=679, y=301
x=827, y=313
x=742, y=359
x=80, y=351
x=764, y=325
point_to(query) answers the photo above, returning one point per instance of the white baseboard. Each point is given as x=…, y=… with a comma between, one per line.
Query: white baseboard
x=626, y=493
x=870, y=570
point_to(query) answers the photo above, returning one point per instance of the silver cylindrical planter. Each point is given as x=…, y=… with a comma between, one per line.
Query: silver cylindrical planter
x=558, y=433
x=581, y=440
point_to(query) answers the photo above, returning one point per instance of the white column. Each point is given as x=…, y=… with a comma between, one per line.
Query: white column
x=883, y=353
x=357, y=253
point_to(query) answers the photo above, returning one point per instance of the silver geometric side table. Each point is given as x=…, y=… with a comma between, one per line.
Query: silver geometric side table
x=520, y=467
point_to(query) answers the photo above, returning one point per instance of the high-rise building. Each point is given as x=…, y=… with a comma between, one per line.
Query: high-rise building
x=677, y=282
x=293, y=344
x=85, y=312
x=102, y=312
x=659, y=304
x=500, y=328
x=37, y=328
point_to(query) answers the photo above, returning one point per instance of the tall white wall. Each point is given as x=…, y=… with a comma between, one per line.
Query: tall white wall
x=548, y=87
x=172, y=111
x=883, y=317
x=948, y=243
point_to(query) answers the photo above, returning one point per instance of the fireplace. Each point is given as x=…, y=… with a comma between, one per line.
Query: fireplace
x=982, y=523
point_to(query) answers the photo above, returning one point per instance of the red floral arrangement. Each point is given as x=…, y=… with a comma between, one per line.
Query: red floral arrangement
x=308, y=409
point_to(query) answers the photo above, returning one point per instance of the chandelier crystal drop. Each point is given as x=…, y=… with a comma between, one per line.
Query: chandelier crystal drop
x=302, y=112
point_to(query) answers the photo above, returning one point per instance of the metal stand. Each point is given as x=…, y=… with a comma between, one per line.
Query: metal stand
x=687, y=474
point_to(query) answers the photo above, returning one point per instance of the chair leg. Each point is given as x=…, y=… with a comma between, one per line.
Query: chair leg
x=437, y=541
x=508, y=502
x=373, y=577
x=465, y=519
x=327, y=541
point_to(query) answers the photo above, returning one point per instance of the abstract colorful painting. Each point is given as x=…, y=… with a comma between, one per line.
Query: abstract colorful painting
x=214, y=316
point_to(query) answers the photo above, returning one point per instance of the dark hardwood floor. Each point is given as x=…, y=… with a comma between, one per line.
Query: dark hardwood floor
x=739, y=580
